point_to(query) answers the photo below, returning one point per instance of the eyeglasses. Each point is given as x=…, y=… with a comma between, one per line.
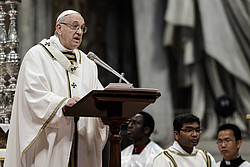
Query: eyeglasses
x=76, y=27
x=191, y=131
x=226, y=141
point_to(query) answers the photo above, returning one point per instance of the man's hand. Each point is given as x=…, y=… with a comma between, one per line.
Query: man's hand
x=71, y=102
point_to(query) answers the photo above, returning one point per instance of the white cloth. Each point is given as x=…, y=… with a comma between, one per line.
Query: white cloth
x=182, y=159
x=144, y=159
x=228, y=54
x=40, y=135
x=244, y=164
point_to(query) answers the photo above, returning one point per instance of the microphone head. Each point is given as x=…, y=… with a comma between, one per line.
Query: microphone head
x=91, y=55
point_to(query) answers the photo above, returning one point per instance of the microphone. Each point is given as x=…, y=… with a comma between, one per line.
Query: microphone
x=97, y=60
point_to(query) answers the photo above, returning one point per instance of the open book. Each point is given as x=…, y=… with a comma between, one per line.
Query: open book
x=127, y=87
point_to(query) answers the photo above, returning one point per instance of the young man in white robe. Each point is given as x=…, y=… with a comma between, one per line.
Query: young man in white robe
x=142, y=152
x=229, y=142
x=183, y=152
x=54, y=75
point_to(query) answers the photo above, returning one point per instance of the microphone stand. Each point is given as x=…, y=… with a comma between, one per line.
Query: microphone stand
x=97, y=60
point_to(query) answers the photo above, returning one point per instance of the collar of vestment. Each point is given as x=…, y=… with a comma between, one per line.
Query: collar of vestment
x=232, y=163
x=54, y=47
x=138, y=150
x=56, y=42
x=177, y=149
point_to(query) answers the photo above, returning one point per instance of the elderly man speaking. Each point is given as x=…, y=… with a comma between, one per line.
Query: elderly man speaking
x=54, y=75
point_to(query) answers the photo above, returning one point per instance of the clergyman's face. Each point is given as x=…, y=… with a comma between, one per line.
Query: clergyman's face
x=189, y=136
x=69, y=38
x=135, y=129
x=227, y=144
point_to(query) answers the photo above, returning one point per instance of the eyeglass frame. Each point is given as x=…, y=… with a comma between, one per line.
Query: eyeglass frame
x=75, y=27
x=191, y=131
x=226, y=141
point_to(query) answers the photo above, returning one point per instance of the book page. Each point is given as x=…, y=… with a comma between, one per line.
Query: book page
x=128, y=87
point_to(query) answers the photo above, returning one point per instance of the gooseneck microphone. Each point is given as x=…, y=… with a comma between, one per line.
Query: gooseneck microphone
x=97, y=60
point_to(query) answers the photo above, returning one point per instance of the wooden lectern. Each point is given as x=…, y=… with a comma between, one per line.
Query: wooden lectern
x=114, y=107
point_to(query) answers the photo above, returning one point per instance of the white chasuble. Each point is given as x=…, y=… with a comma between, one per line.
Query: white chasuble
x=175, y=156
x=40, y=135
x=144, y=159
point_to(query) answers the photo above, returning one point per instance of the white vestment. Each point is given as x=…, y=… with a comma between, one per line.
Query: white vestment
x=244, y=164
x=40, y=135
x=175, y=156
x=144, y=159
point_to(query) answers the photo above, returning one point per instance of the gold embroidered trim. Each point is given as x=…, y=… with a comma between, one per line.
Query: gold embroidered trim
x=208, y=159
x=68, y=84
x=166, y=153
x=44, y=125
x=80, y=56
x=69, y=52
x=49, y=53
x=180, y=154
x=70, y=56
